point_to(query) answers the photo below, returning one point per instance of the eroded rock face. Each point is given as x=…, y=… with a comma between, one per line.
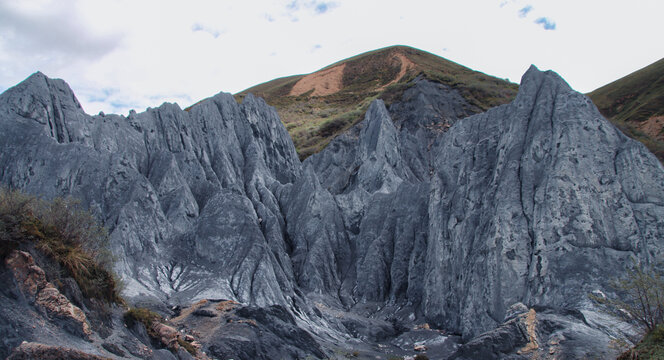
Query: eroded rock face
x=529, y=202
x=31, y=281
x=150, y=177
x=423, y=211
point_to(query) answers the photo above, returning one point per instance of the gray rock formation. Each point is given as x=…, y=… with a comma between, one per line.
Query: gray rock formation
x=184, y=194
x=421, y=213
x=538, y=201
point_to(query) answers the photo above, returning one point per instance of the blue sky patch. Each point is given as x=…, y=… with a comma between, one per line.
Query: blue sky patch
x=525, y=10
x=546, y=23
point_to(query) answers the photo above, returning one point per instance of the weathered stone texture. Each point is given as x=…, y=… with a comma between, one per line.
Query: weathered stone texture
x=423, y=205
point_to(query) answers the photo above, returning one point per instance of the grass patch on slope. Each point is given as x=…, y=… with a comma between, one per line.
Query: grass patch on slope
x=650, y=347
x=633, y=99
x=64, y=232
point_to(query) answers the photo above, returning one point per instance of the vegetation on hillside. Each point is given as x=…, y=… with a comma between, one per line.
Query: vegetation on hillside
x=640, y=301
x=150, y=319
x=143, y=316
x=633, y=101
x=65, y=233
x=650, y=347
x=312, y=121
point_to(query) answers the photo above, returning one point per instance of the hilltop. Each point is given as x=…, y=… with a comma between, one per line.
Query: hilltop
x=317, y=107
x=635, y=104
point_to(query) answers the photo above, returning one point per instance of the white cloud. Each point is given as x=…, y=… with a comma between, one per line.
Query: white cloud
x=126, y=54
x=55, y=29
x=214, y=32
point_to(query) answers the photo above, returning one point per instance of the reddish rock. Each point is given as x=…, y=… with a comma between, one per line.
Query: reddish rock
x=420, y=348
x=167, y=335
x=30, y=277
x=58, y=306
x=29, y=351
x=31, y=280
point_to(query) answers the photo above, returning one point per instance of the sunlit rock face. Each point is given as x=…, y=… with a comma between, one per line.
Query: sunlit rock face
x=425, y=208
x=185, y=195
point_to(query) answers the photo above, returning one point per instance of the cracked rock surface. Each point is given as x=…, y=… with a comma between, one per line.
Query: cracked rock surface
x=423, y=212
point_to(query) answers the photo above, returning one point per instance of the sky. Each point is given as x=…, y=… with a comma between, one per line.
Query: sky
x=133, y=54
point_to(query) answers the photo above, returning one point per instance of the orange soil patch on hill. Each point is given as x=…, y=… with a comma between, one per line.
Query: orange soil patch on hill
x=330, y=81
x=653, y=127
x=326, y=82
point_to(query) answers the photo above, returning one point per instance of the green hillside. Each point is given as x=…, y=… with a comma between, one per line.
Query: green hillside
x=635, y=103
x=318, y=106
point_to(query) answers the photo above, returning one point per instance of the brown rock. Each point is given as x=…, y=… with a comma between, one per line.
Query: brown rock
x=31, y=280
x=167, y=335
x=420, y=348
x=58, y=306
x=30, y=277
x=29, y=351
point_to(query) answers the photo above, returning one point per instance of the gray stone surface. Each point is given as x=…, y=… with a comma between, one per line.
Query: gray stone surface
x=432, y=214
x=151, y=176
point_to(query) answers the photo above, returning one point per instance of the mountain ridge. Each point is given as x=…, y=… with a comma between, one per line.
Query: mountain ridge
x=424, y=220
x=318, y=106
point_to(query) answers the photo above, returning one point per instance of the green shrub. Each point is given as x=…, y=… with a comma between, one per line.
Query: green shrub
x=641, y=300
x=331, y=127
x=651, y=347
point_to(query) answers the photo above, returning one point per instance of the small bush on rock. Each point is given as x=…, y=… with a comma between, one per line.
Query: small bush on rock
x=640, y=301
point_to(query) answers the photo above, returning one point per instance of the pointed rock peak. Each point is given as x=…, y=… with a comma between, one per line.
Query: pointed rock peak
x=378, y=130
x=37, y=76
x=44, y=89
x=377, y=107
x=536, y=84
x=534, y=77
x=377, y=119
x=34, y=83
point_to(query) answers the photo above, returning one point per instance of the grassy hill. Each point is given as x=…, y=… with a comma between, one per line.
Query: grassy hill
x=635, y=104
x=318, y=106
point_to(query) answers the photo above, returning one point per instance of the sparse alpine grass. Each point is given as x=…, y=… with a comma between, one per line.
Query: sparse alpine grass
x=630, y=101
x=313, y=121
x=63, y=231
